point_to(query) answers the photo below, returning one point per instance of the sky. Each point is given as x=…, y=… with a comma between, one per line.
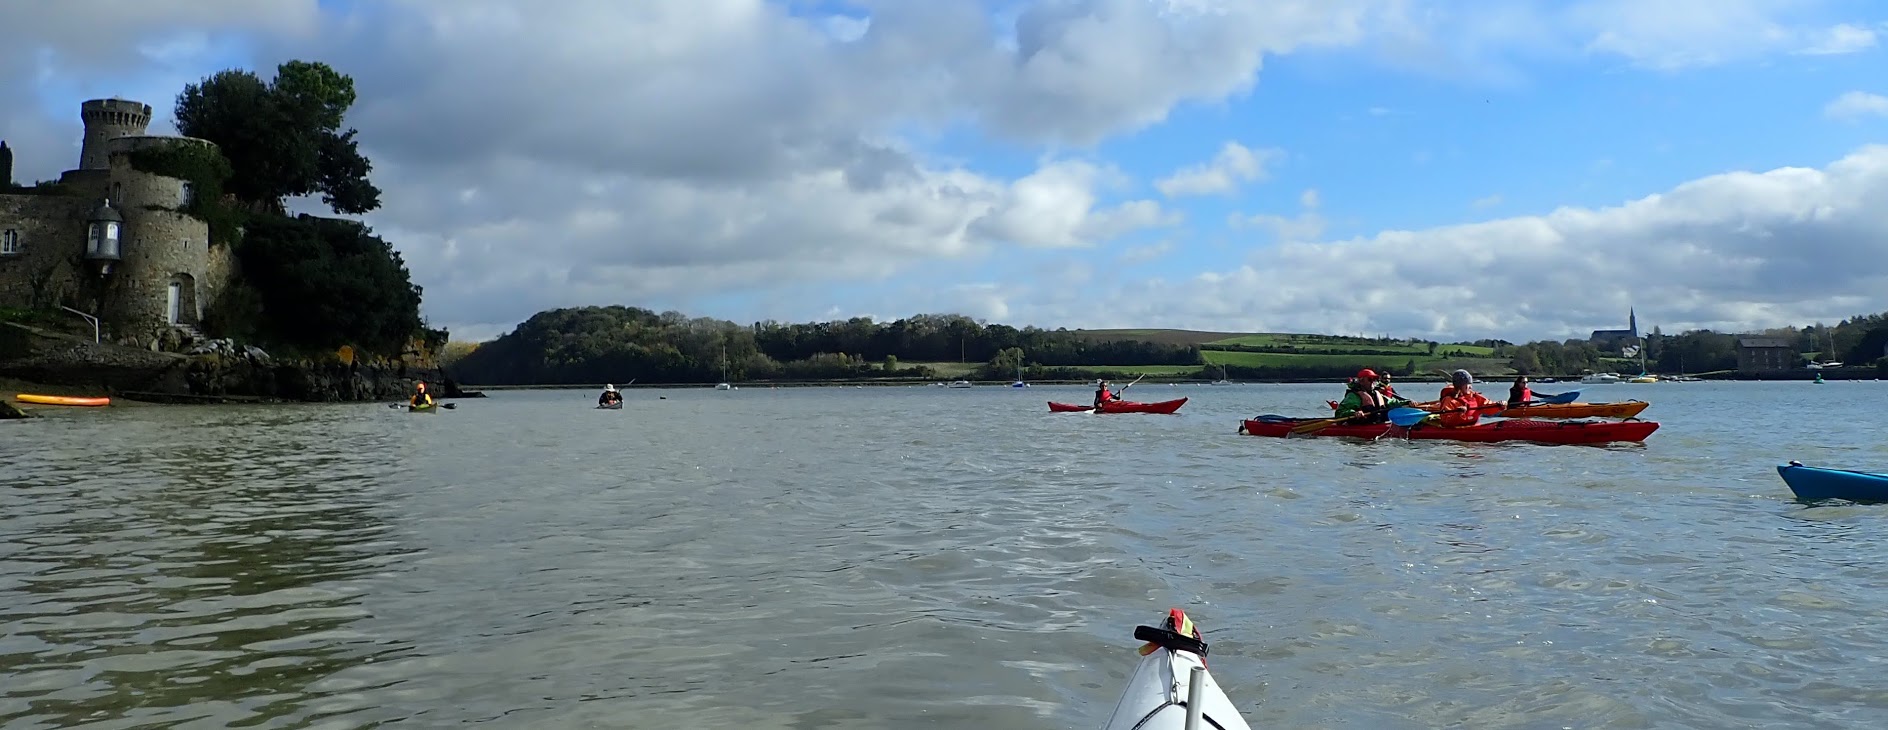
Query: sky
x=1412, y=168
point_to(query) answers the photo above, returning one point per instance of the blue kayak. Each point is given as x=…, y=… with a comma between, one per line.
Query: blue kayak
x=1809, y=482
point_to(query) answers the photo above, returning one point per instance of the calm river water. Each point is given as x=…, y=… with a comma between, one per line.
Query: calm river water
x=900, y=557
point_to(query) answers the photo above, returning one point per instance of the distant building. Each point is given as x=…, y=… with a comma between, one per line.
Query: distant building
x=111, y=239
x=1618, y=339
x=1762, y=354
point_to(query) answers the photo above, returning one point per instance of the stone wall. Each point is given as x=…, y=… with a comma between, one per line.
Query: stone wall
x=51, y=233
x=160, y=246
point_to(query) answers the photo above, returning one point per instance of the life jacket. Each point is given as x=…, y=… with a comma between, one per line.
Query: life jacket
x=1103, y=396
x=1451, y=401
x=1519, y=394
x=422, y=398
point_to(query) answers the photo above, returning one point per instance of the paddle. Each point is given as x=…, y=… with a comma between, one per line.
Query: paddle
x=1407, y=417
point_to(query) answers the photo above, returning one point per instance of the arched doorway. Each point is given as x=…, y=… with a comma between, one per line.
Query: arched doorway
x=180, y=300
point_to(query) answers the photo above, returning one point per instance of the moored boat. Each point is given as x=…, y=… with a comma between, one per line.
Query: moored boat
x=1122, y=406
x=1811, y=482
x=1171, y=688
x=61, y=400
x=1520, y=429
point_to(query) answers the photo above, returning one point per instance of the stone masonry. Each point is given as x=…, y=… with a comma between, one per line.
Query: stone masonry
x=165, y=254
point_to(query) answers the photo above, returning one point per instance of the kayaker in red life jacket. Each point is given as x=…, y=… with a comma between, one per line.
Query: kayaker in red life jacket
x=1459, y=403
x=1383, y=386
x=1102, y=394
x=1519, y=394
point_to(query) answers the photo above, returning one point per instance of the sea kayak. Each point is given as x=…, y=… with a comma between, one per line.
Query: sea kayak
x=1624, y=409
x=1161, y=691
x=61, y=400
x=1810, y=482
x=429, y=408
x=1548, y=432
x=617, y=406
x=1122, y=406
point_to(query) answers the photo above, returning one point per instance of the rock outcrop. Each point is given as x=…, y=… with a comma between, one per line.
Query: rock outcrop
x=7, y=412
x=211, y=368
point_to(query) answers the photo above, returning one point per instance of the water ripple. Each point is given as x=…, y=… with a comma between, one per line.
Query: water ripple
x=883, y=558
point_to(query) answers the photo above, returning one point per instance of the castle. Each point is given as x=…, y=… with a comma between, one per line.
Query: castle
x=111, y=240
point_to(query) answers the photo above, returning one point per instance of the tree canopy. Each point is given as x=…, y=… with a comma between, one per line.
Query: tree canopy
x=283, y=138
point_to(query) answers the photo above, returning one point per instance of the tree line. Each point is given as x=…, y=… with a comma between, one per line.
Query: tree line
x=615, y=343
x=1857, y=340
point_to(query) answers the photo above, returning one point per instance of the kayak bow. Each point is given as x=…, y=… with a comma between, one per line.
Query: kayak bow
x=1812, y=483
x=1549, y=432
x=1171, y=688
x=1121, y=406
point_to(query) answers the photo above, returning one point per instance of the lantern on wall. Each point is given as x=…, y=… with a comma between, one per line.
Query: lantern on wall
x=101, y=238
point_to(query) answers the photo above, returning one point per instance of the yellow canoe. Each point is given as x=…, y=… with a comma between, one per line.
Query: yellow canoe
x=61, y=400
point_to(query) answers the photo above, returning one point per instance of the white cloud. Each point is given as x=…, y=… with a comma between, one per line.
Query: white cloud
x=1235, y=164
x=1856, y=105
x=1733, y=252
x=1680, y=34
x=1841, y=39
x=1308, y=224
x=1146, y=254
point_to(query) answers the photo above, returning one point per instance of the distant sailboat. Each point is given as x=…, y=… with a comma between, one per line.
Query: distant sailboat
x=1019, y=379
x=723, y=385
x=1222, y=377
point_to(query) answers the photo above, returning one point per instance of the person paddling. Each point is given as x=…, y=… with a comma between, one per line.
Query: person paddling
x=610, y=396
x=1460, y=404
x=1365, y=402
x=1519, y=394
x=421, y=398
x=1383, y=386
x=1102, y=394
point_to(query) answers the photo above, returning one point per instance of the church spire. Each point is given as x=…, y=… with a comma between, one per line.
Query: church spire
x=1632, y=321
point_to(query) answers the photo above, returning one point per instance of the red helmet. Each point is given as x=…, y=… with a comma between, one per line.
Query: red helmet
x=1366, y=374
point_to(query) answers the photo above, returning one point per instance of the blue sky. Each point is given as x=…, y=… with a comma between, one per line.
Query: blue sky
x=1401, y=163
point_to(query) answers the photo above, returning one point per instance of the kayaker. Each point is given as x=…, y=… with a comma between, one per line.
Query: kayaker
x=1459, y=404
x=1362, y=402
x=421, y=398
x=1519, y=394
x=1102, y=394
x=1383, y=386
x=609, y=395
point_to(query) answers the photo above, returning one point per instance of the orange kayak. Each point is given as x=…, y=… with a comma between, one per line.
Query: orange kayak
x=61, y=400
x=1624, y=409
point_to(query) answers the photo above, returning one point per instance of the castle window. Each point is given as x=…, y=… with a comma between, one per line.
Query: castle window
x=118, y=193
x=187, y=194
x=9, y=242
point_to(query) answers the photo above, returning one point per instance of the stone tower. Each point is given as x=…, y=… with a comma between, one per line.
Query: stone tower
x=168, y=274
x=105, y=120
x=6, y=165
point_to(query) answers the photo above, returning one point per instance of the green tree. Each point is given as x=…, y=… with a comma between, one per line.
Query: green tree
x=323, y=283
x=284, y=138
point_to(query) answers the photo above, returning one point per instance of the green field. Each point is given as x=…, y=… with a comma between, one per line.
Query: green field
x=1330, y=344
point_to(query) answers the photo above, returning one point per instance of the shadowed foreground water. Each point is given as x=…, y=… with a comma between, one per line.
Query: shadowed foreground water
x=841, y=558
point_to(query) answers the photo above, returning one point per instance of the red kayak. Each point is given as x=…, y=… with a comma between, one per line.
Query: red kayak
x=1515, y=429
x=1122, y=406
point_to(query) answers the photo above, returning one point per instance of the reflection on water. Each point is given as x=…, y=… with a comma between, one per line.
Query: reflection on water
x=887, y=558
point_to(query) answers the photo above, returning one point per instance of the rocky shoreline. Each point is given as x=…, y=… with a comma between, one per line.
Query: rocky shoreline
x=213, y=371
